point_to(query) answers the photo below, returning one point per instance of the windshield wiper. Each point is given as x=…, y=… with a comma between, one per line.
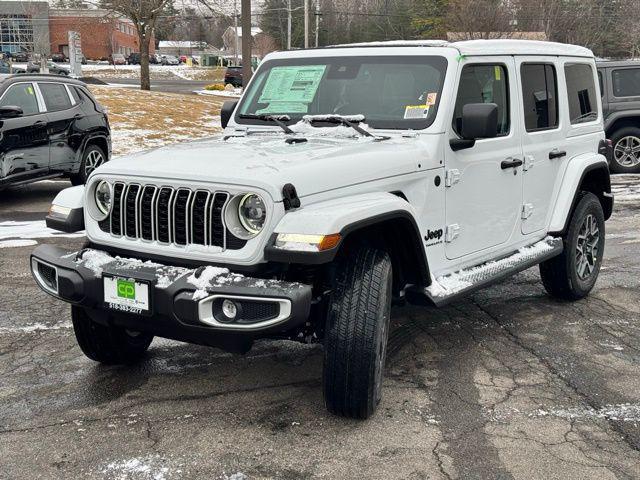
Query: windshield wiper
x=348, y=121
x=277, y=119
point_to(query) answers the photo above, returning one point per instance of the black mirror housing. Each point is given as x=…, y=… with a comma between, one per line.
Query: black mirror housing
x=10, y=111
x=479, y=120
x=226, y=112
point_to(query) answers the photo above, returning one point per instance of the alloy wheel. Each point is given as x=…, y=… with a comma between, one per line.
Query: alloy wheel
x=627, y=151
x=94, y=160
x=587, y=247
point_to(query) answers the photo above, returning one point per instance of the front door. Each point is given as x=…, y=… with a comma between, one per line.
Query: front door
x=483, y=183
x=542, y=140
x=24, y=143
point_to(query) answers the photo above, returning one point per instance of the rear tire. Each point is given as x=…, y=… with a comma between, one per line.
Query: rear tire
x=92, y=157
x=626, y=150
x=572, y=275
x=108, y=344
x=356, y=334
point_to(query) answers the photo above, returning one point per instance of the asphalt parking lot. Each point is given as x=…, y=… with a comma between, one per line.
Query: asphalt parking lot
x=507, y=384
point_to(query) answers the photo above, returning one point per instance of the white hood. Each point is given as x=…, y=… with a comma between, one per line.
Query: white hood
x=266, y=161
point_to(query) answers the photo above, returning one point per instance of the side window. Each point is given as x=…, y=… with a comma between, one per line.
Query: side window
x=484, y=84
x=626, y=82
x=539, y=96
x=75, y=94
x=21, y=95
x=601, y=83
x=55, y=96
x=581, y=93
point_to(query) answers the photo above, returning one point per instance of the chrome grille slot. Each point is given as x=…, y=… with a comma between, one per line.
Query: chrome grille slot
x=181, y=216
x=116, y=217
x=147, y=212
x=168, y=215
x=131, y=210
x=163, y=216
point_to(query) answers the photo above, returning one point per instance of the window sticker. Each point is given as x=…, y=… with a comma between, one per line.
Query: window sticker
x=30, y=90
x=416, y=111
x=497, y=72
x=283, y=107
x=431, y=98
x=292, y=84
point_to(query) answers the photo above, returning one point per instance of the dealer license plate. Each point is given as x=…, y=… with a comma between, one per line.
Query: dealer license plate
x=126, y=295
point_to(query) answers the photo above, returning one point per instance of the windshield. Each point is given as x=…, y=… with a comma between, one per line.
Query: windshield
x=390, y=92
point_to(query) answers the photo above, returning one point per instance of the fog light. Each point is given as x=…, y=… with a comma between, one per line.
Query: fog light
x=229, y=309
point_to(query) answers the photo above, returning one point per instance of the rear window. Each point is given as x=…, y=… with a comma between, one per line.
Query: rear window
x=55, y=96
x=626, y=82
x=581, y=93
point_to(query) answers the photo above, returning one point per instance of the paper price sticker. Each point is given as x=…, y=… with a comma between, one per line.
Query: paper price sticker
x=416, y=112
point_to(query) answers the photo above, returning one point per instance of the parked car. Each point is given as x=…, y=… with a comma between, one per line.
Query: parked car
x=452, y=167
x=133, y=59
x=117, y=59
x=233, y=75
x=155, y=59
x=59, y=58
x=183, y=59
x=18, y=57
x=34, y=67
x=51, y=126
x=170, y=60
x=620, y=90
x=8, y=68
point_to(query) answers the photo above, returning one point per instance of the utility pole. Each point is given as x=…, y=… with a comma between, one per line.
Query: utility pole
x=317, y=21
x=247, y=40
x=235, y=26
x=306, y=23
x=288, y=24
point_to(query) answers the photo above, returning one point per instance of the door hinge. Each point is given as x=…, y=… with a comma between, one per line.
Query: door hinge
x=452, y=232
x=452, y=177
x=529, y=162
x=527, y=210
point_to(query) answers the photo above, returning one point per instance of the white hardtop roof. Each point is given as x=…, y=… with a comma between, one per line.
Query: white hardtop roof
x=487, y=47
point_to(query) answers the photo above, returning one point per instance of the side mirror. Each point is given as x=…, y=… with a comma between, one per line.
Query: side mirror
x=226, y=112
x=479, y=120
x=10, y=111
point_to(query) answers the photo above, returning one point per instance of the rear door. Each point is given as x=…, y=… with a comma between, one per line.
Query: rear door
x=62, y=112
x=543, y=138
x=483, y=193
x=24, y=144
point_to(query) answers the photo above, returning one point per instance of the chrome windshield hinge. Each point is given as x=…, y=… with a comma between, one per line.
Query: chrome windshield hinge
x=452, y=232
x=529, y=162
x=527, y=210
x=452, y=177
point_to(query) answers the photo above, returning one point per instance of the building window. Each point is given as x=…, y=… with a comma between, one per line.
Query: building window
x=16, y=33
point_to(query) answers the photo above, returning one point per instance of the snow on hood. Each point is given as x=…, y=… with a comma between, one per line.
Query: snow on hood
x=332, y=157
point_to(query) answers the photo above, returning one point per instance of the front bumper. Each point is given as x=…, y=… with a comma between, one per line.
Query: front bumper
x=184, y=303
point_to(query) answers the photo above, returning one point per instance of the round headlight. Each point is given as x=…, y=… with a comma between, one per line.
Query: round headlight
x=103, y=197
x=252, y=213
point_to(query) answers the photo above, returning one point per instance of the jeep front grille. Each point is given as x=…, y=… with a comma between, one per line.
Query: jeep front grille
x=168, y=215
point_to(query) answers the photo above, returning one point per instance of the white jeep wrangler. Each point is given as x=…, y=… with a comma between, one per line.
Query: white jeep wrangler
x=348, y=177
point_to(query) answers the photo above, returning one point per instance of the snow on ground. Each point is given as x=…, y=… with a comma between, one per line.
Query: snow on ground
x=626, y=188
x=11, y=231
x=236, y=93
x=183, y=72
x=625, y=412
x=150, y=467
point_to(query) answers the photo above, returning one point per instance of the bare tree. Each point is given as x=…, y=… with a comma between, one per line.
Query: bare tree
x=144, y=14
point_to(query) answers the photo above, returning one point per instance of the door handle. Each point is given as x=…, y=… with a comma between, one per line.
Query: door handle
x=511, y=163
x=39, y=123
x=557, y=154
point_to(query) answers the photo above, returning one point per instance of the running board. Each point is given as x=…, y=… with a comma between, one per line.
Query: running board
x=448, y=288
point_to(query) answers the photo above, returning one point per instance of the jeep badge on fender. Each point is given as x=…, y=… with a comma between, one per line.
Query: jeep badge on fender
x=321, y=204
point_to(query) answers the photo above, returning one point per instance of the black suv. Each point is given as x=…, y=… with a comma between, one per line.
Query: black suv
x=620, y=90
x=50, y=126
x=233, y=75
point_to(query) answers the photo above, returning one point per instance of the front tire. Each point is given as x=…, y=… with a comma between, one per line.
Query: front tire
x=572, y=275
x=108, y=344
x=356, y=334
x=626, y=150
x=92, y=157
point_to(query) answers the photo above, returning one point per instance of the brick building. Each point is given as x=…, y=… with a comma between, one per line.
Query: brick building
x=101, y=32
